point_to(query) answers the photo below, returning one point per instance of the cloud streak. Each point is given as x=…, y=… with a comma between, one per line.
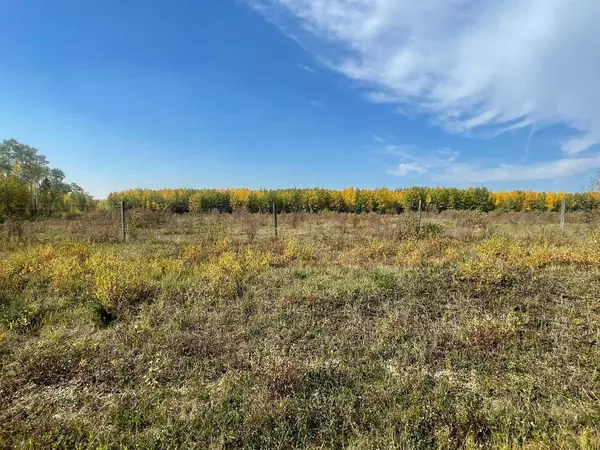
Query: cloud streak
x=546, y=170
x=492, y=65
x=444, y=166
x=307, y=68
x=406, y=168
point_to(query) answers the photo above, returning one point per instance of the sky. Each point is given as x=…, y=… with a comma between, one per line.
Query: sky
x=302, y=93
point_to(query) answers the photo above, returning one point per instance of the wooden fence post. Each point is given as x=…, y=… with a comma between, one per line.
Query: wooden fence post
x=419, y=214
x=275, y=217
x=123, y=235
x=563, y=207
x=6, y=203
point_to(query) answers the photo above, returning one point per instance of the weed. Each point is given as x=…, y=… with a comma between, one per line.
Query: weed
x=14, y=227
x=347, y=331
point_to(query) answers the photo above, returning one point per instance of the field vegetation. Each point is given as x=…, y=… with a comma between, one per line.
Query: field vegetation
x=345, y=331
x=352, y=200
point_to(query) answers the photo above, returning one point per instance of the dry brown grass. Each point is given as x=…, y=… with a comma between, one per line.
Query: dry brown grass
x=347, y=331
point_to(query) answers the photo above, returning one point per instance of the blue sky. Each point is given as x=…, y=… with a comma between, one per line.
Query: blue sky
x=284, y=93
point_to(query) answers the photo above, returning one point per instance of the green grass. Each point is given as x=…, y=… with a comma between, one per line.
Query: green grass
x=345, y=332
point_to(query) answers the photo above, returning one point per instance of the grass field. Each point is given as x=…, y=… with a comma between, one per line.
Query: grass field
x=347, y=331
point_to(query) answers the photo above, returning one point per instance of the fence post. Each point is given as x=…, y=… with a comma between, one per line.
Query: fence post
x=419, y=214
x=6, y=203
x=275, y=217
x=123, y=236
x=562, y=215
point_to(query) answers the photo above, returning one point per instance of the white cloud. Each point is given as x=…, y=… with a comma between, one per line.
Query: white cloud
x=469, y=64
x=316, y=103
x=560, y=168
x=307, y=68
x=381, y=97
x=439, y=158
x=406, y=168
x=443, y=165
x=378, y=138
x=415, y=161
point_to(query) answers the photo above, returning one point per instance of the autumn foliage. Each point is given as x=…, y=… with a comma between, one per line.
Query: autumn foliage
x=352, y=200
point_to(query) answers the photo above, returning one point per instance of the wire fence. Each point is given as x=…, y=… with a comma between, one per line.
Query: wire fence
x=120, y=225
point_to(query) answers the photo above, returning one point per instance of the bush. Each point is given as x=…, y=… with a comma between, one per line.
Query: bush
x=231, y=272
x=96, y=229
x=140, y=218
x=120, y=284
x=249, y=222
x=431, y=229
x=472, y=225
x=14, y=227
x=405, y=227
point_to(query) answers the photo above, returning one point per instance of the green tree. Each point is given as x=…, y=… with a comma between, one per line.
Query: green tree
x=7, y=160
x=30, y=185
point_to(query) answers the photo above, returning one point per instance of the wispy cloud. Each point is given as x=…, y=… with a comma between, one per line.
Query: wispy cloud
x=439, y=158
x=378, y=138
x=468, y=64
x=547, y=170
x=528, y=145
x=316, y=103
x=417, y=162
x=444, y=165
x=406, y=168
x=307, y=68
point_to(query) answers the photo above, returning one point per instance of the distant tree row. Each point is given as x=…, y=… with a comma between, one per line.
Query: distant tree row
x=31, y=188
x=349, y=200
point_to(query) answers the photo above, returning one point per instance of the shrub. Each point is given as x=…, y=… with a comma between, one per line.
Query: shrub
x=404, y=227
x=140, y=218
x=120, y=284
x=229, y=274
x=68, y=276
x=293, y=219
x=431, y=229
x=102, y=315
x=250, y=224
x=103, y=229
x=8, y=278
x=27, y=319
x=14, y=227
x=482, y=272
x=472, y=225
x=298, y=250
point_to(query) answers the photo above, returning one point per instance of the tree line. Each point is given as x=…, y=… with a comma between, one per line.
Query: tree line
x=351, y=200
x=32, y=188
